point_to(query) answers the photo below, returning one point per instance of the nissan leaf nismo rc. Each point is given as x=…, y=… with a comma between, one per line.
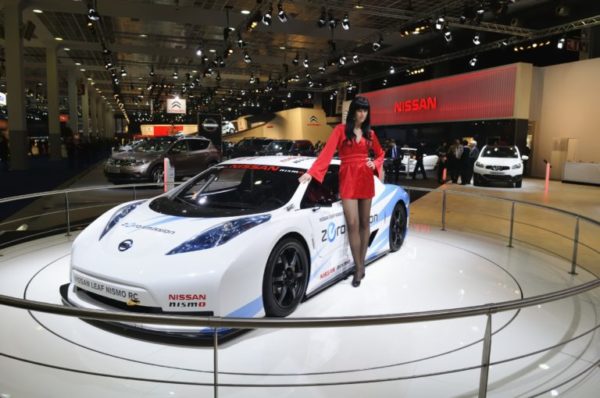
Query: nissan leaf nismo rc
x=241, y=239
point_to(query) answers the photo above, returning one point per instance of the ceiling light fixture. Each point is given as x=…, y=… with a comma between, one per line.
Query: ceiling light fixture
x=247, y=58
x=448, y=36
x=123, y=71
x=377, y=44
x=281, y=13
x=305, y=62
x=355, y=58
x=331, y=20
x=473, y=61
x=322, y=19
x=245, y=12
x=561, y=43
x=93, y=15
x=346, y=22
x=151, y=71
x=199, y=51
x=476, y=40
x=392, y=70
x=268, y=17
x=295, y=60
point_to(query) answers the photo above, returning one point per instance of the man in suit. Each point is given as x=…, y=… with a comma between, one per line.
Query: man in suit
x=419, y=158
x=393, y=154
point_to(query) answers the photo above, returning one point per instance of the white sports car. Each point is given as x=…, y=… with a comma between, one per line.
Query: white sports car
x=241, y=239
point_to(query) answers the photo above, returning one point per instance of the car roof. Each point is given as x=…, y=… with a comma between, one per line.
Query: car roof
x=300, y=162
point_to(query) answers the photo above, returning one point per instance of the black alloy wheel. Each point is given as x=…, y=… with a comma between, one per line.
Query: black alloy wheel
x=397, y=227
x=286, y=278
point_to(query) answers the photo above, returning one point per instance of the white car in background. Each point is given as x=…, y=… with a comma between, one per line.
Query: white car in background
x=499, y=164
x=241, y=239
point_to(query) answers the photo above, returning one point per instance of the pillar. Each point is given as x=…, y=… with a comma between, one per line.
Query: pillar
x=85, y=111
x=92, y=95
x=52, y=94
x=73, y=100
x=15, y=86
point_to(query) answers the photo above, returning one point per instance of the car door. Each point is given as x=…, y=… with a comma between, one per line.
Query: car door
x=178, y=156
x=199, y=155
x=331, y=256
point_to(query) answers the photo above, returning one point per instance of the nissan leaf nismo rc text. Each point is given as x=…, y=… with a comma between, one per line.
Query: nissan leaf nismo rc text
x=242, y=239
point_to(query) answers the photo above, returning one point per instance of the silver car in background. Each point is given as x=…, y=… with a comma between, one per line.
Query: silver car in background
x=188, y=155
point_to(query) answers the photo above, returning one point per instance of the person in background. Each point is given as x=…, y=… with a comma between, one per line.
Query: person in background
x=473, y=154
x=442, y=152
x=454, y=156
x=393, y=153
x=464, y=163
x=419, y=157
x=4, y=150
x=353, y=141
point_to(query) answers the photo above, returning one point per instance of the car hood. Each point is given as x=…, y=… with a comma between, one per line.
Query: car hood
x=499, y=161
x=136, y=155
x=146, y=233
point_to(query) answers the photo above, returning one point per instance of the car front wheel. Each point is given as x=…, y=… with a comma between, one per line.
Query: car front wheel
x=286, y=278
x=157, y=174
x=397, y=227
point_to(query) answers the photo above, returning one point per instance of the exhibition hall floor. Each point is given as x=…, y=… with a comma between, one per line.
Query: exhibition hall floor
x=44, y=355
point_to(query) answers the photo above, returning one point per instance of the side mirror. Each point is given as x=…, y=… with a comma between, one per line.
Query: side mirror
x=525, y=157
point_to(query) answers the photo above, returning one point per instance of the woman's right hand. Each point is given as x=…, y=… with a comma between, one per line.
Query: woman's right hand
x=305, y=178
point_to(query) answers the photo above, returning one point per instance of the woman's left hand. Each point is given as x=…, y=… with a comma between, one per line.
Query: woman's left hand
x=370, y=164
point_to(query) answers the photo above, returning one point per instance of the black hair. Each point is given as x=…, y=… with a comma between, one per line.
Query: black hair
x=356, y=104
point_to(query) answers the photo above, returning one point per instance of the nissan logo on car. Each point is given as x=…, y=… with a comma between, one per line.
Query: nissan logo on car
x=125, y=245
x=210, y=125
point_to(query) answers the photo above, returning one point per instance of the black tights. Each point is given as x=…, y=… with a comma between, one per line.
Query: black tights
x=357, y=213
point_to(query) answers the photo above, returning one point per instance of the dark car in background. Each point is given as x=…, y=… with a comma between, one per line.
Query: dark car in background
x=250, y=147
x=290, y=147
x=188, y=155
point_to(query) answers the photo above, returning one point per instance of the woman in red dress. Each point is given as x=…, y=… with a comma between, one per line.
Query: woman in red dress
x=353, y=141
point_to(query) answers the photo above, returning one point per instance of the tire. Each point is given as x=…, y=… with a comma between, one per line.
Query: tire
x=397, y=227
x=285, y=278
x=518, y=184
x=157, y=174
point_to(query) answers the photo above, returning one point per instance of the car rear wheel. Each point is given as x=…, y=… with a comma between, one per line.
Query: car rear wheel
x=397, y=227
x=285, y=279
x=157, y=174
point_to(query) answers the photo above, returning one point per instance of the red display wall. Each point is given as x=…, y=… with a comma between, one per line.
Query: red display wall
x=485, y=94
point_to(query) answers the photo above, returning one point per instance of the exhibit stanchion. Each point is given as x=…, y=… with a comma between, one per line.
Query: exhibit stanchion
x=512, y=223
x=547, y=185
x=485, y=358
x=575, y=244
x=67, y=213
x=215, y=363
x=444, y=211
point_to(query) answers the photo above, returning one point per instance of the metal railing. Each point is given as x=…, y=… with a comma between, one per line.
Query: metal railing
x=334, y=322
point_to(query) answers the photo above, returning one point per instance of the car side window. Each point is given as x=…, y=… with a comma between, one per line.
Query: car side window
x=198, y=145
x=322, y=194
x=179, y=147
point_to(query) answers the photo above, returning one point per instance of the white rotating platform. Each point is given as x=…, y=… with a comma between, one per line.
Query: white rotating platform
x=44, y=355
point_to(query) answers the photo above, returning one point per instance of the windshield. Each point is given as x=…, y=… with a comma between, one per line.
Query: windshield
x=500, y=152
x=232, y=190
x=153, y=145
x=275, y=146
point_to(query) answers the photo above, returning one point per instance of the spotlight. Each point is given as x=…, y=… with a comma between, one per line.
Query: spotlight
x=240, y=42
x=346, y=22
x=281, y=13
x=561, y=43
x=123, y=71
x=377, y=44
x=247, y=58
x=332, y=21
x=199, y=51
x=480, y=9
x=218, y=78
x=384, y=82
x=392, y=69
x=355, y=58
x=267, y=18
x=322, y=68
x=448, y=36
x=440, y=23
x=476, y=40
x=93, y=15
x=295, y=60
x=342, y=60
x=175, y=75
x=152, y=71
x=473, y=61
x=322, y=19
x=305, y=62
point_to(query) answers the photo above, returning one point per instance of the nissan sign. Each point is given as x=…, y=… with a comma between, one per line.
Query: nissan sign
x=210, y=125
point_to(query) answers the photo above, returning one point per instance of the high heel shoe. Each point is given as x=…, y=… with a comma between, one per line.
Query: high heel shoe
x=356, y=281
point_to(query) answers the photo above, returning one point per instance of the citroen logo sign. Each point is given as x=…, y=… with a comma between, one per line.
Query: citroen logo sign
x=125, y=245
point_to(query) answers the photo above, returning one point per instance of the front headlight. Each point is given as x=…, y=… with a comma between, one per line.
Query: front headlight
x=479, y=164
x=220, y=234
x=139, y=162
x=516, y=166
x=118, y=216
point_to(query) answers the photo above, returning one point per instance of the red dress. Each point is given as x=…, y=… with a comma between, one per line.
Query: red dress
x=356, y=178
